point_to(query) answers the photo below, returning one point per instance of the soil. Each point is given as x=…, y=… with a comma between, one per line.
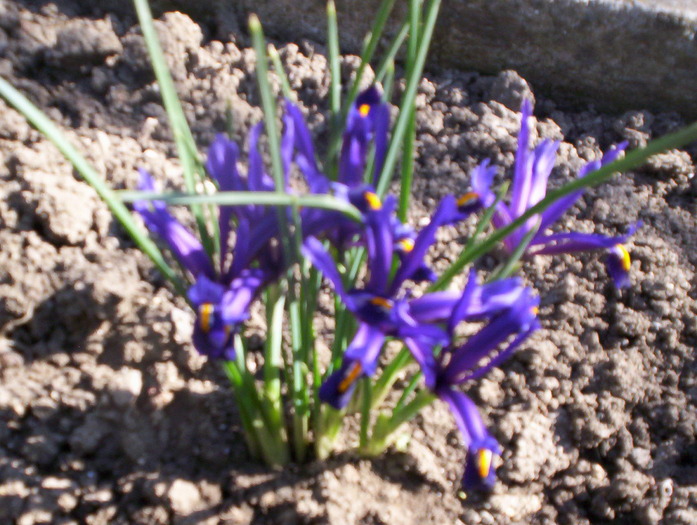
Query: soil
x=108, y=415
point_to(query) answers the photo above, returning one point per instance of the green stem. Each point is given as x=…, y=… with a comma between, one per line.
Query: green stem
x=386, y=426
x=389, y=376
x=366, y=404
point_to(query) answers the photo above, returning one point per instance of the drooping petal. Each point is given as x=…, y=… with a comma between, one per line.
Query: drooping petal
x=360, y=360
x=216, y=343
x=338, y=388
x=480, y=473
x=185, y=247
x=573, y=242
x=433, y=307
x=618, y=264
x=212, y=332
x=380, y=246
x=465, y=358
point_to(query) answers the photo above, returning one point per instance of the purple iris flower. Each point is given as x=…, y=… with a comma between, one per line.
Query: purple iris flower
x=367, y=122
x=381, y=307
x=222, y=292
x=220, y=310
x=511, y=313
x=531, y=173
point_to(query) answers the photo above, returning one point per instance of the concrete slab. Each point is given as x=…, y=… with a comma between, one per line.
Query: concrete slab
x=616, y=54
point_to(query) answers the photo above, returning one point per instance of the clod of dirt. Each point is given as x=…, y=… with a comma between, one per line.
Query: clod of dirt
x=83, y=43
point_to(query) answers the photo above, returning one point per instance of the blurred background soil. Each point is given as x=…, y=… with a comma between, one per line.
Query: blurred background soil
x=108, y=415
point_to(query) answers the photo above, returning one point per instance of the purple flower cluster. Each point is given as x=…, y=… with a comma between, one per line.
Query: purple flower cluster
x=385, y=305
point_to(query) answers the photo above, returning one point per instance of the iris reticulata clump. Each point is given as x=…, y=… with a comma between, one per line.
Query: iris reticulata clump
x=377, y=267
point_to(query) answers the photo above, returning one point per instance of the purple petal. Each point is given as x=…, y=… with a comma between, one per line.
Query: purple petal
x=516, y=319
x=572, y=242
x=431, y=307
x=222, y=164
x=522, y=177
x=257, y=179
x=205, y=291
x=365, y=347
x=618, y=264
x=380, y=245
x=305, y=151
x=242, y=291
x=313, y=250
x=502, y=356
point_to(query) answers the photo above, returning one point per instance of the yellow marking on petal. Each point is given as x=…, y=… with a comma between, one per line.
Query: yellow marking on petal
x=467, y=198
x=364, y=109
x=484, y=459
x=381, y=302
x=535, y=310
x=406, y=244
x=624, y=257
x=374, y=202
x=205, y=312
x=352, y=375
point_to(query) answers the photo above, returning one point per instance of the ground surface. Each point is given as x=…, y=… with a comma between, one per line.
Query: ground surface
x=107, y=415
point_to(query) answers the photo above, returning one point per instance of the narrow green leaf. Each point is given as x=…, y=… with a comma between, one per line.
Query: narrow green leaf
x=268, y=102
x=509, y=267
x=335, y=71
x=401, y=126
x=389, y=56
x=410, y=133
x=184, y=140
x=243, y=198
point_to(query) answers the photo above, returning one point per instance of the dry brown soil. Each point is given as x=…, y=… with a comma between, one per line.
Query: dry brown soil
x=107, y=415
